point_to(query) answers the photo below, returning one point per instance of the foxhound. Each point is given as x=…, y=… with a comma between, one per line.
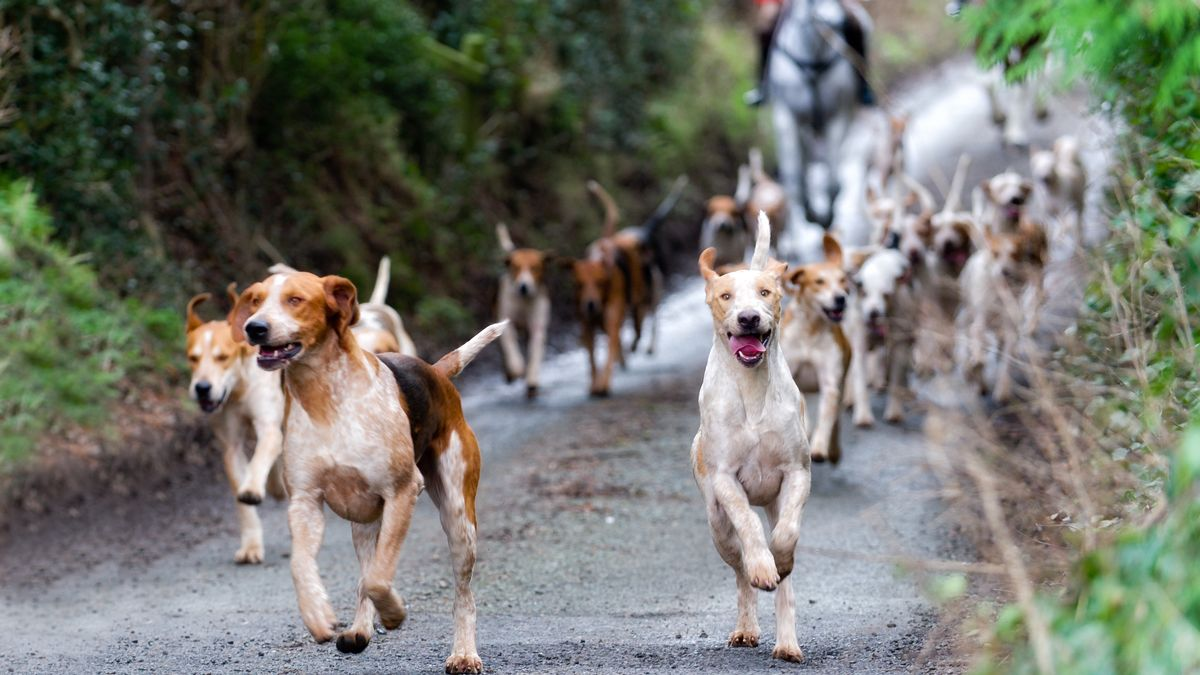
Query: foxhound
x=524, y=301
x=243, y=403
x=363, y=435
x=752, y=446
x=813, y=342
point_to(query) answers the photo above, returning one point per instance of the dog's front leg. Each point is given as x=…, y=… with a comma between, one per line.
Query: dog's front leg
x=756, y=558
x=725, y=538
x=397, y=514
x=824, y=439
x=537, y=344
x=267, y=448
x=358, y=636
x=614, y=315
x=307, y=523
x=1002, y=390
x=899, y=357
x=860, y=393
x=514, y=363
x=231, y=436
x=588, y=338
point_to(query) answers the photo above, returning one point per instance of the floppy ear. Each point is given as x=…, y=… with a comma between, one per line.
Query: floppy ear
x=1026, y=187
x=231, y=291
x=194, y=321
x=341, y=303
x=794, y=277
x=238, y=315
x=833, y=249
x=707, y=257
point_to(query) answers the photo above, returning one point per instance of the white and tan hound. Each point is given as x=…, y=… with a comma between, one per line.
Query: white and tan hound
x=752, y=446
x=244, y=403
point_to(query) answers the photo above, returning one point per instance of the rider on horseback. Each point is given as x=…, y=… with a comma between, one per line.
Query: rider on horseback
x=766, y=17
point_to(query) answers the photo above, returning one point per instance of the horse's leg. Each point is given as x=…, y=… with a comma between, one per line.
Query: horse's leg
x=787, y=145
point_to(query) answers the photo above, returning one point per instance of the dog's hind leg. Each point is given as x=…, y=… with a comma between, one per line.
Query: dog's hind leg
x=358, y=636
x=234, y=458
x=393, y=528
x=452, y=489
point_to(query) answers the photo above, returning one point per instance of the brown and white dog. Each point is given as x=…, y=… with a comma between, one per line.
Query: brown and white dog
x=881, y=316
x=1000, y=202
x=243, y=403
x=524, y=301
x=1003, y=293
x=619, y=273
x=363, y=434
x=813, y=342
x=725, y=227
x=766, y=196
x=379, y=328
x=752, y=446
x=1061, y=181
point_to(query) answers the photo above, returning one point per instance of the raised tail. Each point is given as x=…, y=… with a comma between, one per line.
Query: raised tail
x=612, y=215
x=762, y=244
x=926, y=197
x=453, y=363
x=757, y=172
x=382, y=278
x=954, y=196
x=664, y=207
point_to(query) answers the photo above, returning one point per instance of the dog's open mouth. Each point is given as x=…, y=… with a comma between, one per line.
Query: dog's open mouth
x=271, y=357
x=1012, y=213
x=956, y=255
x=209, y=405
x=750, y=348
x=834, y=314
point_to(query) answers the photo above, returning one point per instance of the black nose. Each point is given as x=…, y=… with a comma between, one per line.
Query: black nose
x=748, y=320
x=523, y=289
x=874, y=314
x=203, y=389
x=1017, y=201
x=839, y=302
x=591, y=307
x=257, y=331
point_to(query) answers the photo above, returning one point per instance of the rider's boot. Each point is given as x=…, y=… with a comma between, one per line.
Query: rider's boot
x=758, y=95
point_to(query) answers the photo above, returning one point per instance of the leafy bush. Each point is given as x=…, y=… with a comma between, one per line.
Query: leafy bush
x=1132, y=603
x=71, y=348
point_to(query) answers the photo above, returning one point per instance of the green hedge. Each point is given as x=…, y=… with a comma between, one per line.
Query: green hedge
x=71, y=348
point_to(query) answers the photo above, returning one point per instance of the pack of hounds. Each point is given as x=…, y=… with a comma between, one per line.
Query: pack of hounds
x=341, y=412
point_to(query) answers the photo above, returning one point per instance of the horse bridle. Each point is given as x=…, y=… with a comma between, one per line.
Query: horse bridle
x=813, y=70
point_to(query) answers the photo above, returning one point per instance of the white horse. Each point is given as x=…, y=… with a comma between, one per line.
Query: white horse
x=814, y=89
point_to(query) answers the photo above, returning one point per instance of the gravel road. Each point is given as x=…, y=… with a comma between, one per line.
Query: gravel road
x=594, y=553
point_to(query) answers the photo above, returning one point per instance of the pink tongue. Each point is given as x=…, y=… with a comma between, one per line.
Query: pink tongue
x=746, y=345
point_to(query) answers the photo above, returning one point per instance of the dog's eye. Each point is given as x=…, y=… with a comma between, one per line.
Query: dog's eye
x=726, y=296
x=222, y=358
x=820, y=282
x=764, y=292
x=295, y=300
x=192, y=358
